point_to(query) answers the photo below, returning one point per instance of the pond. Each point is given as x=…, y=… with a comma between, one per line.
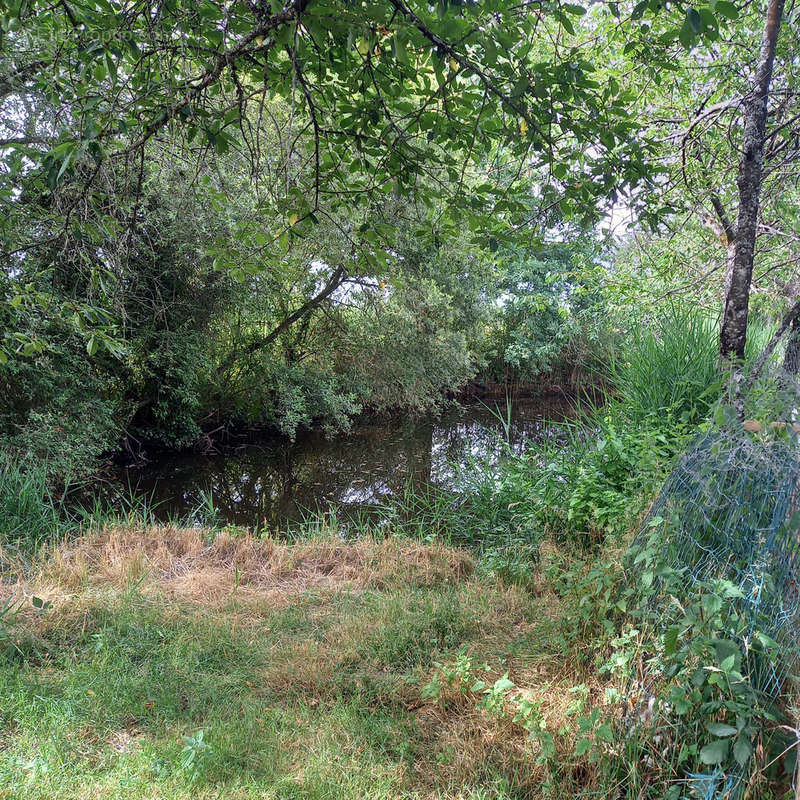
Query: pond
x=273, y=484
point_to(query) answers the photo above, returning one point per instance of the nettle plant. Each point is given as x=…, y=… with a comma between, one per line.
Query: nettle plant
x=591, y=590
x=10, y=611
x=501, y=699
x=701, y=672
x=587, y=730
x=697, y=666
x=195, y=755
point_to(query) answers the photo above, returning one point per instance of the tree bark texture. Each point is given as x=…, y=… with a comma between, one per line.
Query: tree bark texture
x=737, y=297
x=791, y=359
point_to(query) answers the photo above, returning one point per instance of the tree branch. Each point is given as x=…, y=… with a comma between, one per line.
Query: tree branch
x=724, y=219
x=327, y=290
x=464, y=62
x=224, y=59
x=792, y=315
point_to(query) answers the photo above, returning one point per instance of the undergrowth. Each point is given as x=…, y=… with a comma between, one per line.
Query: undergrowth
x=31, y=511
x=169, y=667
x=372, y=659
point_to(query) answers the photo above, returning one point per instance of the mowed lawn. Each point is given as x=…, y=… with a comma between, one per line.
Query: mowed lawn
x=171, y=665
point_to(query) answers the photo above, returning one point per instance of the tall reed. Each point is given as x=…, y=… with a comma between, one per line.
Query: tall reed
x=30, y=509
x=671, y=368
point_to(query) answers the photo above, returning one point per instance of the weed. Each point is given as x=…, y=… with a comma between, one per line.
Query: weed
x=195, y=755
x=514, y=563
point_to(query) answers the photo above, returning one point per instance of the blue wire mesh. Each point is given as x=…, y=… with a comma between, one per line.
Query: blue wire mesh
x=731, y=510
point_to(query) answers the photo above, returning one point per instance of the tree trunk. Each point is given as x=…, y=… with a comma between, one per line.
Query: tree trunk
x=791, y=359
x=737, y=297
x=791, y=323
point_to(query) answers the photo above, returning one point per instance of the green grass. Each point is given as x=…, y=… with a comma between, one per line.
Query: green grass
x=106, y=691
x=671, y=368
x=307, y=679
x=30, y=511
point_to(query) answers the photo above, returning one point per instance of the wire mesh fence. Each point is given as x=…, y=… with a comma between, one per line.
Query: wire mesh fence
x=730, y=511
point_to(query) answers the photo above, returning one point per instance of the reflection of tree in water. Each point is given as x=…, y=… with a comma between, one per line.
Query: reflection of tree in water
x=268, y=486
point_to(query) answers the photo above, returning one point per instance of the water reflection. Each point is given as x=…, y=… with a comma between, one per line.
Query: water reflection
x=269, y=486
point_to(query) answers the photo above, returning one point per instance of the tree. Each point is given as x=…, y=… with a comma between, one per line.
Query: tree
x=733, y=333
x=464, y=107
x=695, y=110
x=791, y=359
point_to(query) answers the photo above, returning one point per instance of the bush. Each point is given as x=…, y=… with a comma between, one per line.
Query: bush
x=595, y=474
x=597, y=483
x=491, y=511
x=61, y=412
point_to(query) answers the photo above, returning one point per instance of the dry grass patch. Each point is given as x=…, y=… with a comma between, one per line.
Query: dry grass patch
x=297, y=659
x=182, y=563
x=462, y=740
x=464, y=737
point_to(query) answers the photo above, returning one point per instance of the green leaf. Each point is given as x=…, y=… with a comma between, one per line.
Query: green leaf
x=709, y=23
x=583, y=746
x=731, y=590
x=91, y=346
x=724, y=648
x=399, y=49
x=695, y=20
x=67, y=160
x=721, y=729
x=90, y=129
x=765, y=641
x=742, y=750
x=221, y=143
x=682, y=706
x=716, y=752
x=111, y=66
x=726, y=9
x=728, y=663
x=604, y=733
x=671, y=640
x=39, y=604
x=712, y=604
x=566, y=24
x=687, y=34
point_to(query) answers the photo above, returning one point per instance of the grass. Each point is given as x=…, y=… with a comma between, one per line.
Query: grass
x=671, y=368
x=30, y=511
x=175, y=663
x=172, y=666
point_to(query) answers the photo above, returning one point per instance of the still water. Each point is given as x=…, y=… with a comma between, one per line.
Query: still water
x=272, y=484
